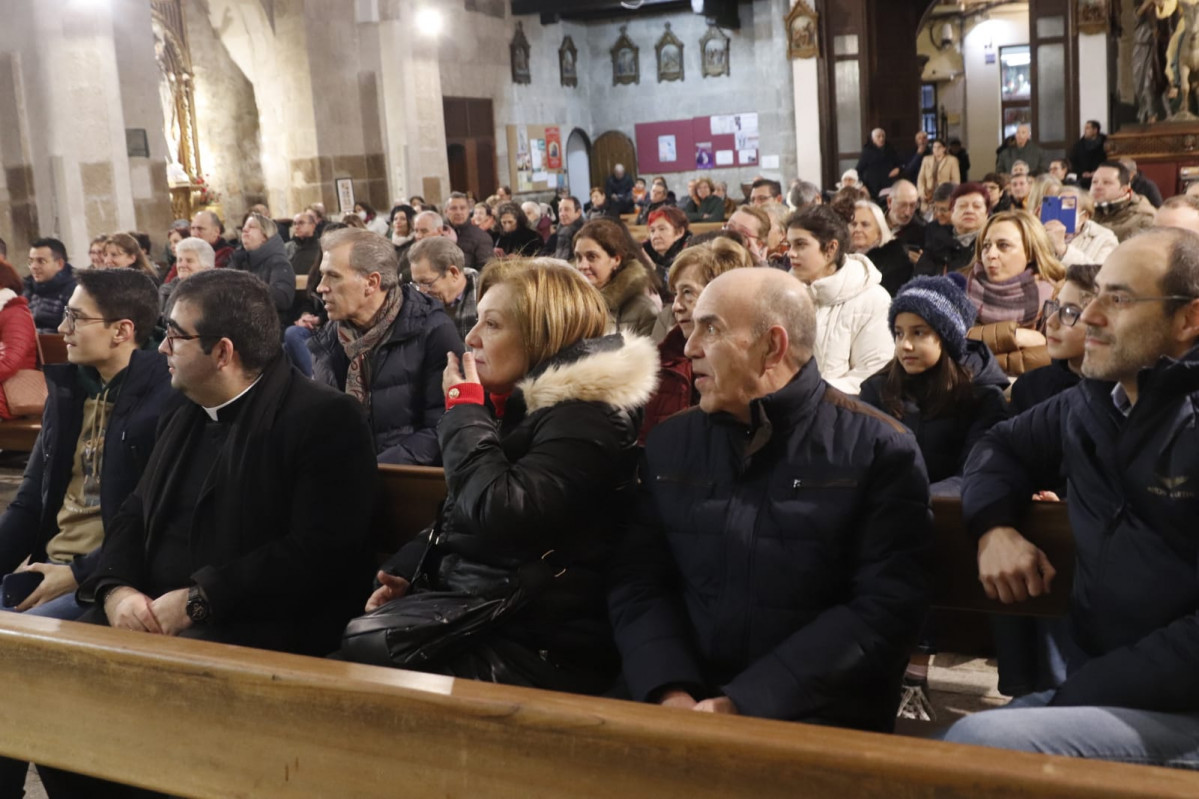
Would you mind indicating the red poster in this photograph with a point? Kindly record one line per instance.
(553, 149)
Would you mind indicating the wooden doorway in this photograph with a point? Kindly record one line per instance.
(470, 145)
(610, 149)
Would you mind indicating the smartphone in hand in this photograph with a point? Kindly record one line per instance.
(15, 588)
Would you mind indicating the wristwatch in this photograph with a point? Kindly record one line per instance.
(197, 605)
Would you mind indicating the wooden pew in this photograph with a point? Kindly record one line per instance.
(409, 498)
(54, 347)
(208, 720)
(19, 435)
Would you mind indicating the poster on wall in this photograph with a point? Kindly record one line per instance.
(345, 195)
(703, 155)
(724, 158)
(553, 148)
(723, 125)
(537, 148)
(524, 180)
(747, 157)
(522, 139)
(667, 149)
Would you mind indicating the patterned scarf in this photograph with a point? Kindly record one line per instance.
(359, 345)
(1018, 299)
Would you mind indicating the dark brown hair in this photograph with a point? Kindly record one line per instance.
(945, 389)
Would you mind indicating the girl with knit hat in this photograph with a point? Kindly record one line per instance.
(946, 389)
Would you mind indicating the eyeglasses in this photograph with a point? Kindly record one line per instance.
(72, 318)
(1067, 314)
(173, 337)
(1118, 300)
(736, 229)
(425, 285)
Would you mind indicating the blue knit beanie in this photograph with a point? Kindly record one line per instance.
(942, 302)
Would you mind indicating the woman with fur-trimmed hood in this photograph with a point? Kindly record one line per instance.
(539, 442)
(612, 262)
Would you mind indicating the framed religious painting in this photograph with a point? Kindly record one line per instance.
(802, 32)
(568, 62)
(519, 49)
(1094, 16)
(670, 56)
(714, 53)
(626, 60)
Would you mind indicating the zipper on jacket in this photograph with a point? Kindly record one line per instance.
(844, 482)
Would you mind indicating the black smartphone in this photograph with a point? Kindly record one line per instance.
(15, 588)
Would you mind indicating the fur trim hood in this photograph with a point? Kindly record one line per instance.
(631, 280)
(620, 370)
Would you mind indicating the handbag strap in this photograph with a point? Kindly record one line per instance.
(37, 339)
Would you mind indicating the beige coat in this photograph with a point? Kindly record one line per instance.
(933, 173)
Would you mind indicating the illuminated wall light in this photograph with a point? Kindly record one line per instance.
(429, 21)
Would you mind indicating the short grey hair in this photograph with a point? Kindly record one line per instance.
(880, 219)
(803, 193)
(265, 224)
(202, 250)
(439, 252)
(532, 210)
(429, 215)
(369, 252)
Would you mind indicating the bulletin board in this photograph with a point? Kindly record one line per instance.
(685, 145)
(536, 161)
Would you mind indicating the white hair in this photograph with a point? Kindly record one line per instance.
(880, 219)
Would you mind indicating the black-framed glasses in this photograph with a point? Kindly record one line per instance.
(1067, 314)
(172, 337)
(1118, 300)
(72, 318)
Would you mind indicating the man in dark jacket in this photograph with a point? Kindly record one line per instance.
(619, 188)
(384, 345)
(777, 563)
(304, 247)
(476, 244)
(438, 271)
(1125, 439)
(98, 427)
(1088, 153)
(49, 283)
(878, 165)
(229, 535)
(570, 219)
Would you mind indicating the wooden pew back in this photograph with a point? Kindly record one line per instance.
(208, 720)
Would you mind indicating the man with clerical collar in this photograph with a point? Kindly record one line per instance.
(385, 344)
(439, 271)
(231, 517)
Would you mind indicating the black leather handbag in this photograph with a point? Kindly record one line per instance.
(416, 629)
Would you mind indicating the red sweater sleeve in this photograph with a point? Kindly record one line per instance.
(19, 337)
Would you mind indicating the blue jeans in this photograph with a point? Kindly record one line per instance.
(295, 344)
(1104, 733)
(64, 608)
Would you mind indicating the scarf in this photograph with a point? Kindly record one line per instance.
(1017, 300)
(358, 345)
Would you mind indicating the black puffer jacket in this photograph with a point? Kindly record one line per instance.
(269, 264)
(1133, 501)
(554, 474)
(782, 565)
(405, 383)
(47, 300)
(943, 251)
(144, 395)
(946, 441)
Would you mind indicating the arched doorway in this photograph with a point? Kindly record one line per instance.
(578, 164)
(610, 149)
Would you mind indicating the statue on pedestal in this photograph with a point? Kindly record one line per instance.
(1151, 64)
(1182, 60)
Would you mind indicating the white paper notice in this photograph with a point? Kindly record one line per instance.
(667, 152)
(724, 158)
(770, 162)
(746, 141)
(723, 125)
(540, 177)
(748, 157)
(537, 162)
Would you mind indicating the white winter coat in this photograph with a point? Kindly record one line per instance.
(853, 340)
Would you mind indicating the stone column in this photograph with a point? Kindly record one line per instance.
(808, 163)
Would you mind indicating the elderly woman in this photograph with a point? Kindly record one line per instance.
(516, 236)
(607, 256)
(598, 208)
(948, 250)
(539, 442)
(870, 235)
(668, 235)
(264, 256)
(709, 207)
(1014, 273)
(121, 251)
(192, 255)
(852, 338)
(694, 269)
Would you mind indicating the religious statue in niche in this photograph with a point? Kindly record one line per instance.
(626, 60)
(1094, 16)
(670, 56)
(520, 56)
(800, 24)
(714, 52)
(568, 62)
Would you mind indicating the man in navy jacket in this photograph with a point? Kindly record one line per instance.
(777, 565)
(1126, 440)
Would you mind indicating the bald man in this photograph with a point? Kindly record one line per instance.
(906, 224)
(1179, 211)
(777, 563)
(208, 227)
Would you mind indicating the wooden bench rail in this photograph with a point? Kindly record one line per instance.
(207, 720)
(54, 347)
(410, 496)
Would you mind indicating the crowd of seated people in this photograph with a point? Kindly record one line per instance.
(724, 444)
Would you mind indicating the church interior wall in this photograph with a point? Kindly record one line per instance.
(1008, 25)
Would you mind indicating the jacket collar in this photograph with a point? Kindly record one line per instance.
(626, 283)
(619, 370)
(855, 276)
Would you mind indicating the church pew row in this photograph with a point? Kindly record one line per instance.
(209, 720)
(18, 435)
(410, 496)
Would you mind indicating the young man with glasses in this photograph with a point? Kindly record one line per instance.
(98, 427)
(1126, 441)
